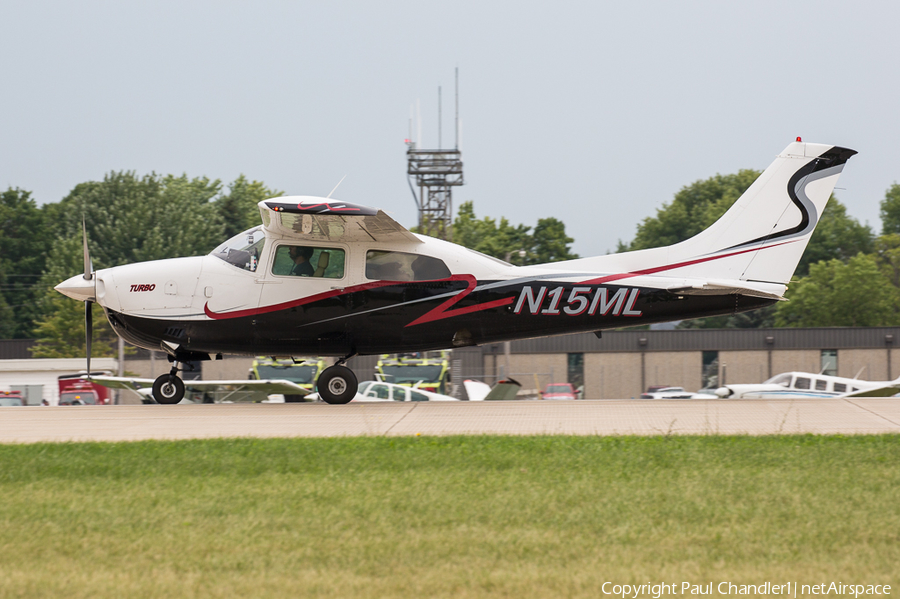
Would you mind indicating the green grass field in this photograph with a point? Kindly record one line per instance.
(516, 517)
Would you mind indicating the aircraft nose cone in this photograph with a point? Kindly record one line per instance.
(723, 392)
(78, 288)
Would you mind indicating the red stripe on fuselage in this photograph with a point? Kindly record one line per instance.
(294, 303)
(443, 311)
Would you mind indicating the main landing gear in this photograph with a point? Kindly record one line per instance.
(337, 384)
(169, 388)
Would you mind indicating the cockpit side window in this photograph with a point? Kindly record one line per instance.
(308, 261)
(243, 250)
(402, 266)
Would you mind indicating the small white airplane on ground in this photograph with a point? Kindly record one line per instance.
(323, 277)
(805, 385)
(375, 391)
(675, 393)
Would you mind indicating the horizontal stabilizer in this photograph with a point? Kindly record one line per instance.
(725, 289)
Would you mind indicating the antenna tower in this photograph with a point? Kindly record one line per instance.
(435, 174)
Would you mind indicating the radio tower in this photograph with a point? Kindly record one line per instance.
(435, 173)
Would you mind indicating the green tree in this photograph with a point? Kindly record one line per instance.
(22, 258)
(890, 210)
(838, 236)
(550, 242)
(514, 244)
(694, 208)
(128, 219)
(134, 219)
(838, 294)
(238, 208)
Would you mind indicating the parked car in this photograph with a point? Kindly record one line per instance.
(559, 391)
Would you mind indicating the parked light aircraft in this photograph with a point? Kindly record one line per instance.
(378, 391)
(805, 385)
(324, 277)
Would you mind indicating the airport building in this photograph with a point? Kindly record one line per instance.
(616, 365)
(621, 364)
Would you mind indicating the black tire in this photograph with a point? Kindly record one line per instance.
(337, 385)
(168, 389)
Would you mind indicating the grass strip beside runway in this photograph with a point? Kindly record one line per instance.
(450, 516)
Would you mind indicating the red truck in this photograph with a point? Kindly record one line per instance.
(74, 391)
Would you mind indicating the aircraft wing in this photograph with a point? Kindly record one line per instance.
(266, 386)
(323, 219)
(121, 382)
(727, 288)
(883, 391)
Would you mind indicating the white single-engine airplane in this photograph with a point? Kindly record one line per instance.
(806, 385)
(324, 277)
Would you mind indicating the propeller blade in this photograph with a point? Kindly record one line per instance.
(88, 333)
(88, 265)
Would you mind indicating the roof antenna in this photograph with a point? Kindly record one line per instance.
(457, 108)
(336, 186)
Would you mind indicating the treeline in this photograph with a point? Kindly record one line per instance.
(128, 219)
(848, 276)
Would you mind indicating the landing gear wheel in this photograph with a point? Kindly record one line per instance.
(337, 385)
(168, 389)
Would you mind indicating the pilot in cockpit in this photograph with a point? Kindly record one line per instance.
(301, 255)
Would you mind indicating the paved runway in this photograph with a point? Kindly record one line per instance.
(605, 417)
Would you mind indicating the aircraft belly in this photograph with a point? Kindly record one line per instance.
(393, 317)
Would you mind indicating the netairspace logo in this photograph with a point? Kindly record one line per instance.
(787, 589)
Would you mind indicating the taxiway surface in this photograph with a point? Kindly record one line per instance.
(600, 417)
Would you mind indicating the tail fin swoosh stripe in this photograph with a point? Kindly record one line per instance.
(796, 189)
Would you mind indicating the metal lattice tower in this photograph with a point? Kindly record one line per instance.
(435, 173)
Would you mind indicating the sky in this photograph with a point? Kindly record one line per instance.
(595, 113)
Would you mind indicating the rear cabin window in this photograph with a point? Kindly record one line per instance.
(821, 385)
(840, 388)
(308, 261)
(400, 266)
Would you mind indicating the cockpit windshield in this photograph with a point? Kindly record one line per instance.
(243, 250)
(782, 379)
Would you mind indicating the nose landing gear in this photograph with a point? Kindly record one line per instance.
(168, 388)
